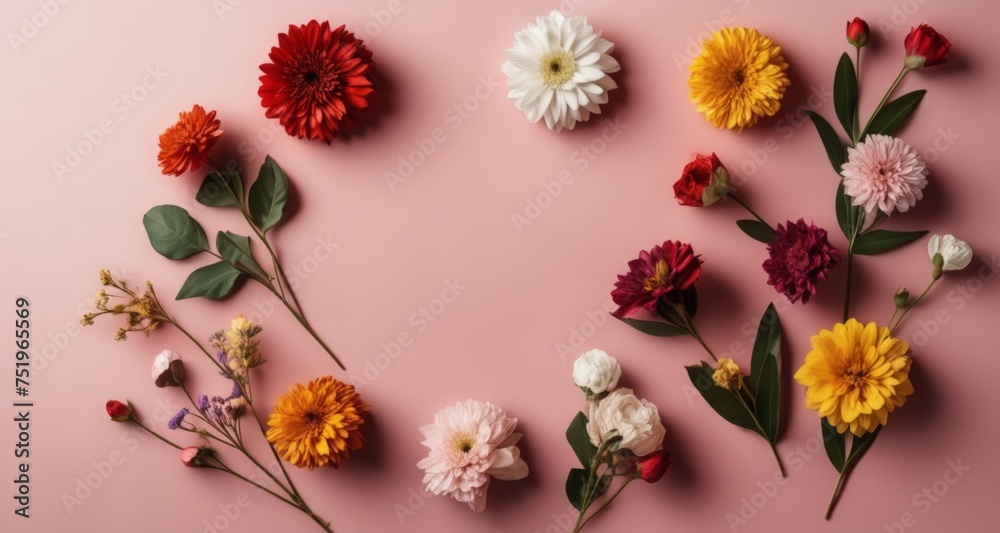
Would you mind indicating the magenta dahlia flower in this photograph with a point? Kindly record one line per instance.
(659, 274)
(800, 256)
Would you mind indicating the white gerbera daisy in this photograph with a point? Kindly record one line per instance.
(884, 174)
(558, 68)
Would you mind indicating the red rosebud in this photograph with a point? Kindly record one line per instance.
(702, 183)
(925, 48)
(653, 466)
(857, 32)
(118, 411)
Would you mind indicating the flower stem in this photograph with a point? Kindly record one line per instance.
(892, 328)
(606, 503)
(847, 293)
(305, 324)
(857, 76)
(697, 337)
(885, 98)
(756, 422)
(751, 211)
(836, 492)
(155, 434)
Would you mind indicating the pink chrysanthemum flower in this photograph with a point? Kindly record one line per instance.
(800, 256)
(470, 442)
(884, 173)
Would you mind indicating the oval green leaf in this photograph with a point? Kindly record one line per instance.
(894, 113)
(212, 281)
(656, 328)
(764, 374)
(724, 402)
(845, 94)
(756, 230)
(173, 233)
(835, 150)
(236, 249)
(849, 216)
(268, 195)
(880, 240)
(836, 450)
(218, 190)
(579, 440)
(576, 483)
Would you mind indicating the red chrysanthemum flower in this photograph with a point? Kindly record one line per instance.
(800, 256)
(185, 145)
(318, 81)
(659, 274)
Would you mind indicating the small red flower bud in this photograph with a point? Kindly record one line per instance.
(118, 411)
(857, 32)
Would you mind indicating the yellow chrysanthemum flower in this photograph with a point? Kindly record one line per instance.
(855, 376)
(317, 424)
(738, 78)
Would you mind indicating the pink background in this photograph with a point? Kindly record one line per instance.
(527, 292)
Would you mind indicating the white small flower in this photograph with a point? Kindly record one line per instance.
(558, 69)
(636, 420)
(168, 369)
(955, 254)
(596, 371)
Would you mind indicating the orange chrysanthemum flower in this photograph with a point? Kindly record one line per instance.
(185, 145)
(317, 424)
(318, 81)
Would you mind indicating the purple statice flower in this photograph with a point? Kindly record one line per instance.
(177, 419)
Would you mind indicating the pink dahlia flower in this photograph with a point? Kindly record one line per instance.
(884, 173)
(658, 274)
(470, 442)
(800, 256)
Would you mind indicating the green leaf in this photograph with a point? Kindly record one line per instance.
(268, 195)
(579, 440)
(756, 230)
(834, 444)
(845, 94)
(212, 281)
(849, 216)
(724, 402)
(576, 483)
(880, 240)
(236, 249)
(173, 233)
(860, 445)
(651, 327)
(764, 376)
(221, 190)
(835, 150)
(894, 113)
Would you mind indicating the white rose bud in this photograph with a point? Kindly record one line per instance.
(168, 370)
(955, 254)
(636, 420)
(596, 371)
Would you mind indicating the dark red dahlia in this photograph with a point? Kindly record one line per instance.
(318, 80)
(800, 256)
(662, 273)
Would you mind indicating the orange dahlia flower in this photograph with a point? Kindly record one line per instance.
(185, 145)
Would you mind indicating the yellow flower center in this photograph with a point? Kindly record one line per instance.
(854, 373)
(739, 76)
(557, 67)
(464, 443)
(659, 277)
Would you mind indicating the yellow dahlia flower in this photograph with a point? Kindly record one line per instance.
(855, 376)
(317, 424)
(738, 78)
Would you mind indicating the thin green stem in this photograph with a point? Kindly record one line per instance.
(753, 416)
(885, 99)
(751, 211)
(857, 76)
(305, 325)
(155, 434)
(606, 503)
(223, 468)
(836, 492)
(697, 337)
(892, 328)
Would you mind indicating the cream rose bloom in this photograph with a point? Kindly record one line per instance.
(955, 254)
(637, 421)
(596, 371)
